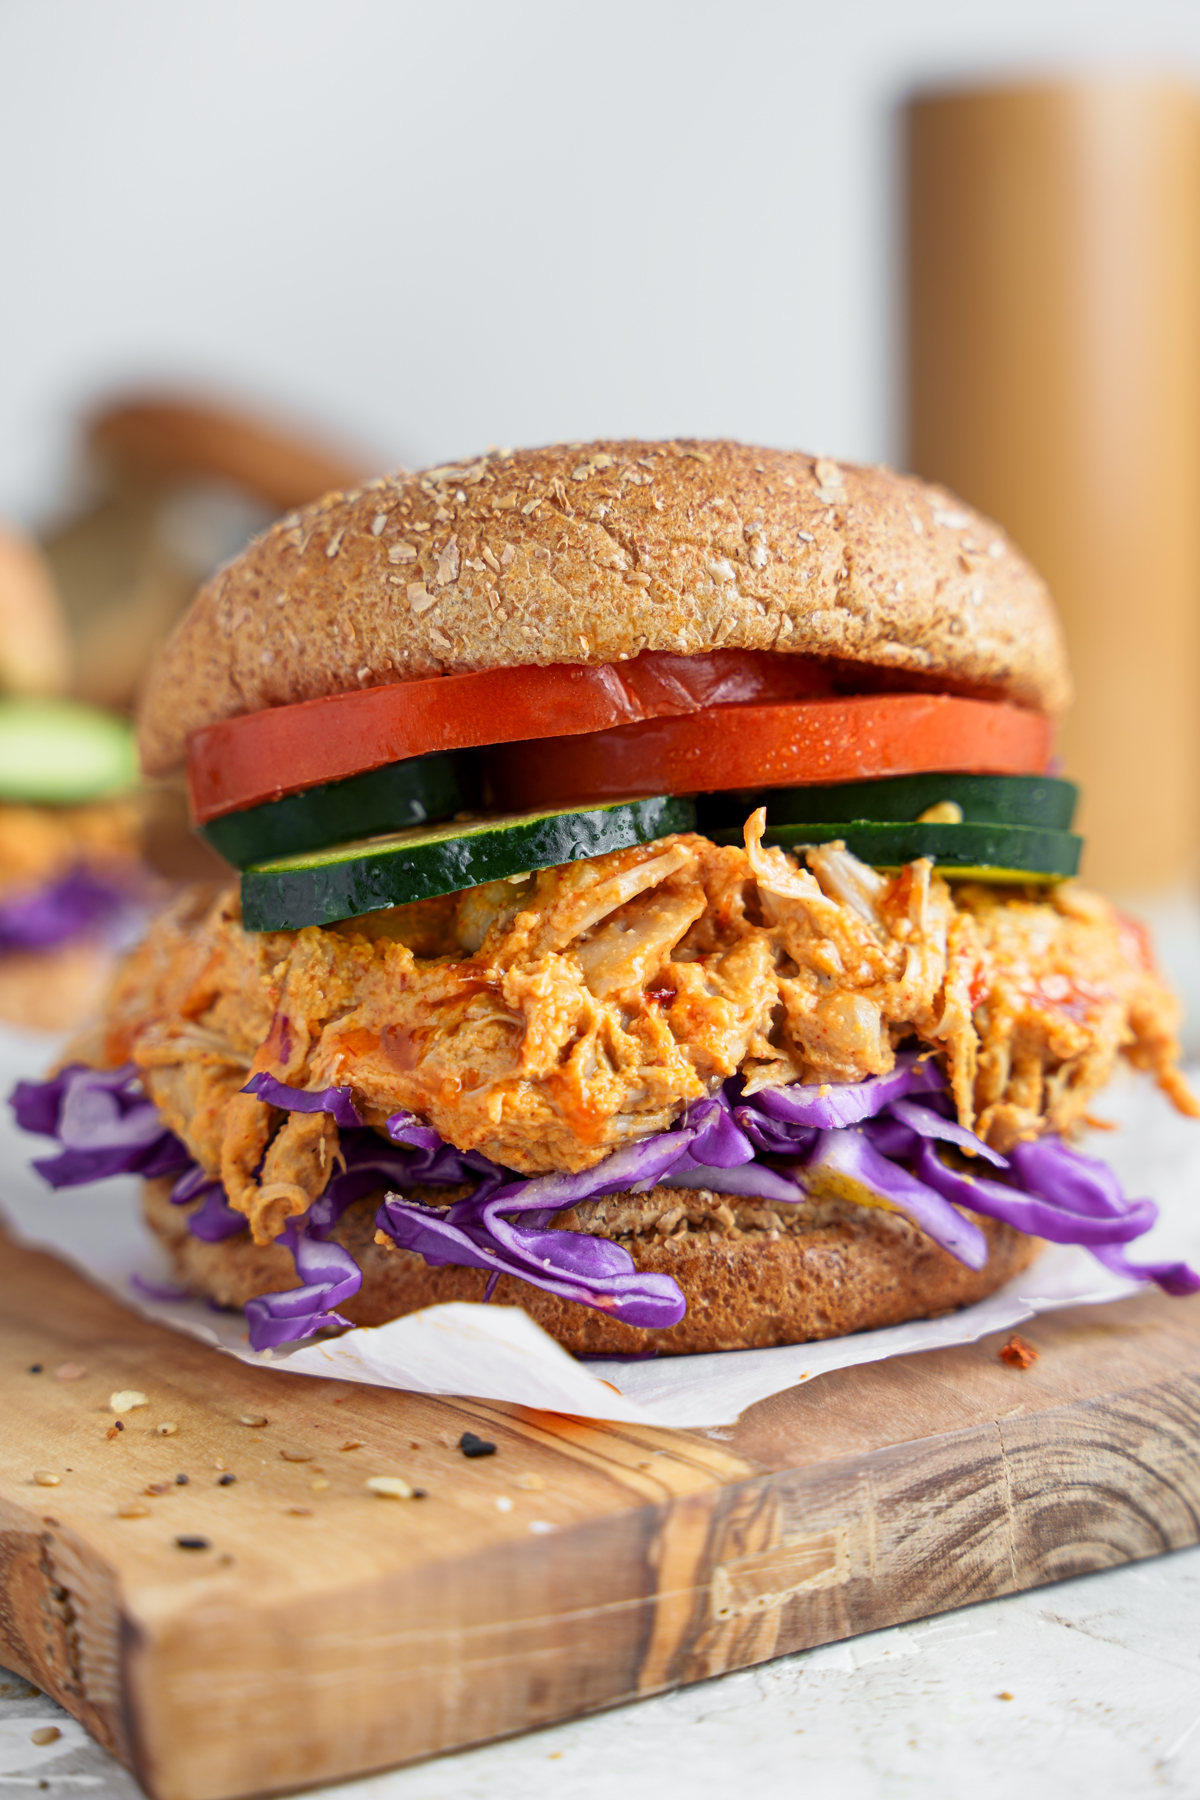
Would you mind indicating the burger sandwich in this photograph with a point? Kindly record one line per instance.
(656, 910)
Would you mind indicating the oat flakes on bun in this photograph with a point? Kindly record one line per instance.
(656, 910)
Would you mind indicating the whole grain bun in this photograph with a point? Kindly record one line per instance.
(593, 552)
(817, 1271)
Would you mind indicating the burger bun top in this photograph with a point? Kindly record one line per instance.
(591, 553)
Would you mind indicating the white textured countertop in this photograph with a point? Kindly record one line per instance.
(1089, 1688)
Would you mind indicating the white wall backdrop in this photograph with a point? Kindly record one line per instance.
(441, 226)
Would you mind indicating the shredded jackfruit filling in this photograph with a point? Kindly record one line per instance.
(546, 1024)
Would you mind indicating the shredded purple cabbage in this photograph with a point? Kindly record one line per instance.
(329, 1276)
(214, 1220)
(104, 1122)
(828, 1107)
(880, 1135)
(333, 1100)
(79, 903)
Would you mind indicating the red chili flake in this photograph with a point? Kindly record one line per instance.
(114, 1431)
(1018, 1353)
(663, 996)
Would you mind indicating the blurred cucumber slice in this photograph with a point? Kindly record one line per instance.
(60, 753)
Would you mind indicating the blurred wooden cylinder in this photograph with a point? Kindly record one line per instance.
(1054, 381)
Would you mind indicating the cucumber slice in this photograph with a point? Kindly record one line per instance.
(362, 877)
(59, 753)
(392, 798)
(1041, 800)
(984, 852)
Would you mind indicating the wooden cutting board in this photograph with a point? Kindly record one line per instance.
(323, 1630)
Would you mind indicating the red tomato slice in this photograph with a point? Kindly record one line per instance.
(847, 738)
(283, 749)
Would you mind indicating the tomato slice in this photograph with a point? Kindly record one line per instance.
(810, 743)
(261, 756)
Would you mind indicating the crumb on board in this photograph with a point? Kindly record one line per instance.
(126, 1400)
(1018, 1352)
(389, 1487)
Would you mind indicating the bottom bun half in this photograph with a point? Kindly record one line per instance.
(753, 1275)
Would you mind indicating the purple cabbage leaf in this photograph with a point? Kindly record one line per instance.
(329, 1277)
(828, 1107)
(851, 1153)
(336, 1101)
(104, 1122)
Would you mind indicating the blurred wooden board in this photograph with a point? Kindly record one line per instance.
(327, 1631)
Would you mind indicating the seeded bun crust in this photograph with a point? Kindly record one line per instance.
(832, 1269)
(593, 552)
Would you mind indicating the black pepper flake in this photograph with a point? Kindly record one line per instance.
(226, 1480)
(193, 1543)
(35, 1368)
(470, 1445)
(420, 1493)
(181, 1481)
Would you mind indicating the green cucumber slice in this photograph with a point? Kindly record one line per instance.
(60, 753)
(984, 852)
(318, 888)
(392, 798)
(1041, 800)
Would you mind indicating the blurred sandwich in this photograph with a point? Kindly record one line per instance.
(72, 883)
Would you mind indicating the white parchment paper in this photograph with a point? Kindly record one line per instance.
(498, 1353)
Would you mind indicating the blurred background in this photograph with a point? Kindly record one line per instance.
(254, 248)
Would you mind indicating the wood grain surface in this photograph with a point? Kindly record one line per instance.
(324, 1630)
